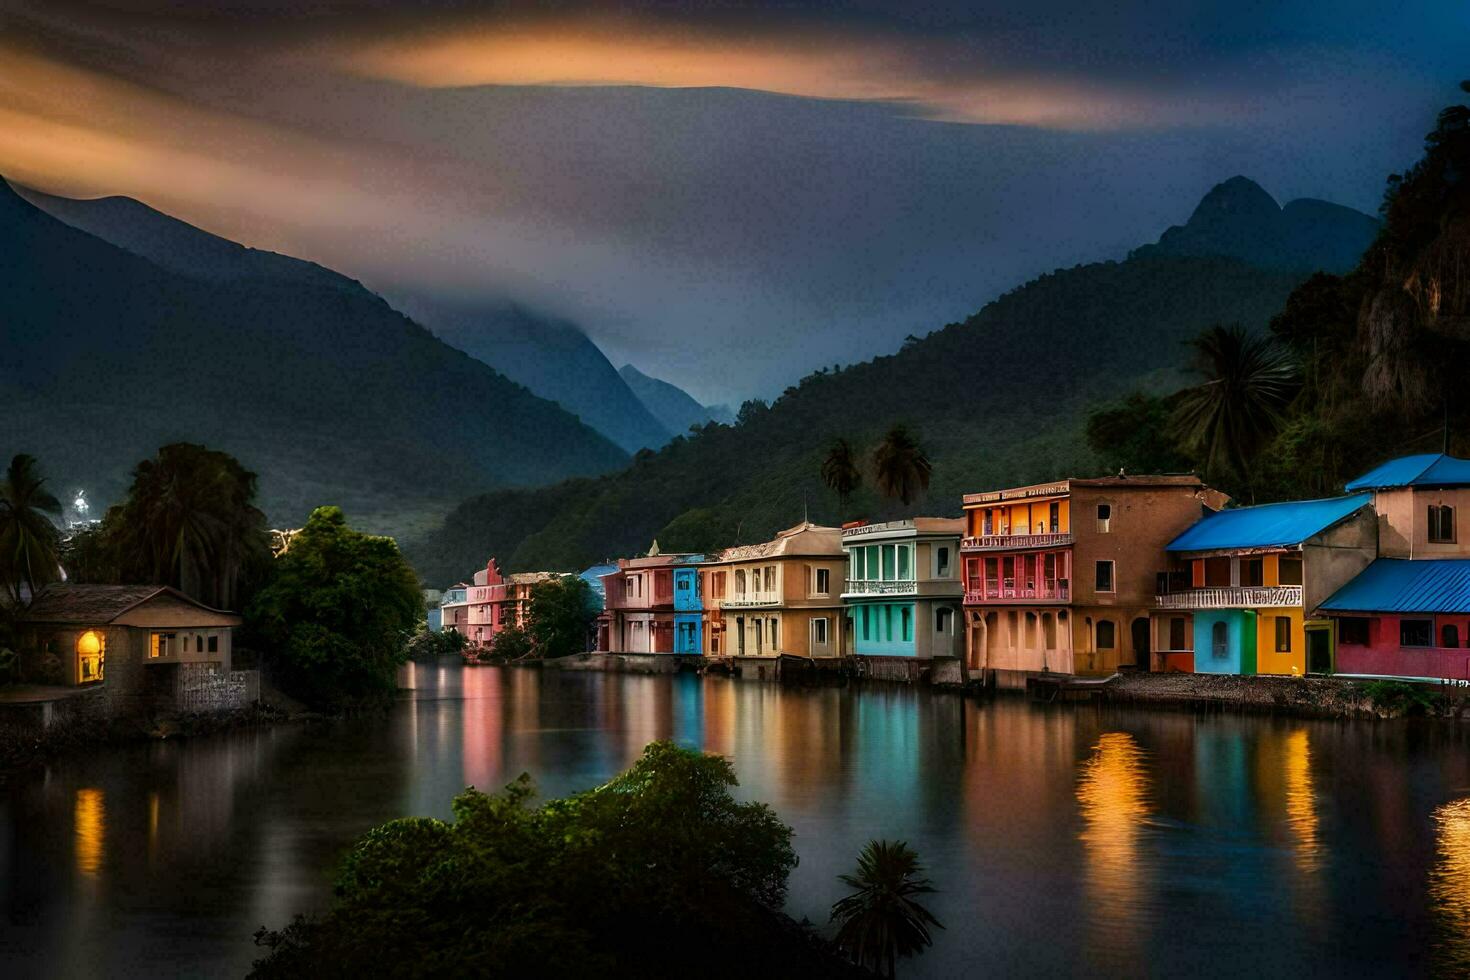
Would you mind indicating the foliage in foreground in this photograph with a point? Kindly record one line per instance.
(883, 919)
(337, 612)
(660, 872)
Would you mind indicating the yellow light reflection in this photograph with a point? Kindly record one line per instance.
(1301, 801)
(90, 818)
(1112, 795)
(1449, 888)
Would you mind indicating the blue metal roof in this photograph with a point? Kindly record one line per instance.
(1423, 470)
(1267, 525)
(1423, 585)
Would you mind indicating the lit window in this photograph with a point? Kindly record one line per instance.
(1441, 524)
(160, 644)
(91, 653)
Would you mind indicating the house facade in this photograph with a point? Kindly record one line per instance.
(138, 647)
(688, 611)
(1251, 578)
(454, 608)
(782, 596)
(1060, 577)
(639, 604)
(1408, 613)
(903, 591)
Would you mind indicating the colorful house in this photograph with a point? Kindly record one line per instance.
(1408, 614)
(1250, 576)
(779, 597)
(639, 607)
(1059, 577)
(903, 591)
(454, 608)
(688, 611)
(491, 603)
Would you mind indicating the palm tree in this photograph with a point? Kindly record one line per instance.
(29, 539)
(881, 920)
(190, 522)
(1248, 382)
(840, 471)
(901, 466)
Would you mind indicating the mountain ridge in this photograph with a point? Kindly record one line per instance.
(675, 409)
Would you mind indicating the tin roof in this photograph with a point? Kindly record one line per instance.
(1423, 470)
(1428, 585)
(1266, 525)
(95, 604)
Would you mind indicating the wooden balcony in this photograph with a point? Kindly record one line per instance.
(1006, 590)
(1015, 542)
(1232, 597)
(870, 586)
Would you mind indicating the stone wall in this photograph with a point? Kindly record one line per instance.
(204, 688)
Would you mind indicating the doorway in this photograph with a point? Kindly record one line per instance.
(1319, 649)
(1142, 647)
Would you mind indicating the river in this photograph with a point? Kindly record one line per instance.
(1064, 839)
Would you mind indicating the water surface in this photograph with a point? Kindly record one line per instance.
(1065, 839)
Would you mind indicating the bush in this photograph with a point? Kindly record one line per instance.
(511, 643)
(1403, 698)
(428, 645)
(561, 616)
(659, 873)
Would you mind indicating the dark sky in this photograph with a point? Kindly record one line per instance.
(728, 195)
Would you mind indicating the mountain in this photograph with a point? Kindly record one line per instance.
(552, 357)
(1239, 219)
(317, 385)
(1000, 399)
(674, 407)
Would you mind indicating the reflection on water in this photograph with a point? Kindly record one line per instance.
(1450, 887)
(91, 819)
(1301, 801)
(1066, 840)
(1112, 794)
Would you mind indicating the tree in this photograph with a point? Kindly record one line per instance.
(656, 870)
(1249, 380)
(29, 539)
(840, 471)
(1134, 435)
(429, 645)
(190, 521)
(337, 612)
(560, 616)
(511, 642)
(882, 919)
(901, 466)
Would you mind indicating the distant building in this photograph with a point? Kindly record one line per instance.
(454, 609)
(904, 590)
(139, 646)
(1060, 577)
(639, 607)
(490, 603)
(782, 596)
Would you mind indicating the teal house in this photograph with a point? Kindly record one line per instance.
(903, 592)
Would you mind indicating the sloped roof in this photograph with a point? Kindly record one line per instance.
(1430, 585)
(803, 539)
(1423, 470)
(96, 604)
(1267, 525)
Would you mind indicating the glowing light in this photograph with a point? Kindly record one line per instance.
(1449, 888)
(90, 817)
(1301, 801)
(1112, 795)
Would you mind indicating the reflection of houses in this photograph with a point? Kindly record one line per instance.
(1249, 576)
(639, 604)
(903, 587)
(140, 646)
(780, 596)
(1408, 614)
(1060, 576)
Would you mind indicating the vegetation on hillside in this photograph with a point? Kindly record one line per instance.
(1379, 357)
(656, 873)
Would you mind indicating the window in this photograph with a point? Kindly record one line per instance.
(159, 644)
(1054, 519)
(824, 581)
(1220, 641)
(1416, 633)
(1289, 570)
(987, 524)
(1449, 636)
(941, 620)
(905, 563)
(1176, 633)
(740, 583)
(213, 643)
(941, 562)
(906, 623)
(1104, 518)
(867, 622)
(1106, 634)
(1283, 634)
(1441, 524)
(1353, 630)
(819, 632)
(770, 578)
(775, 634)
(889, 562)
(1252, 571)
(1104, 578)
(91, 653)
(1217, 572)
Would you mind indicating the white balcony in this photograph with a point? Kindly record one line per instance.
(1232, 597)
(751, 600)
(1015, 542)
(872, 586)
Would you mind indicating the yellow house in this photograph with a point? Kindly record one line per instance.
(782, 596)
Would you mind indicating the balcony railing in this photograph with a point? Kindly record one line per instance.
(1012, 542)
(1007, 591)
(746, 600)
(1232, 597)
(873, 586)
